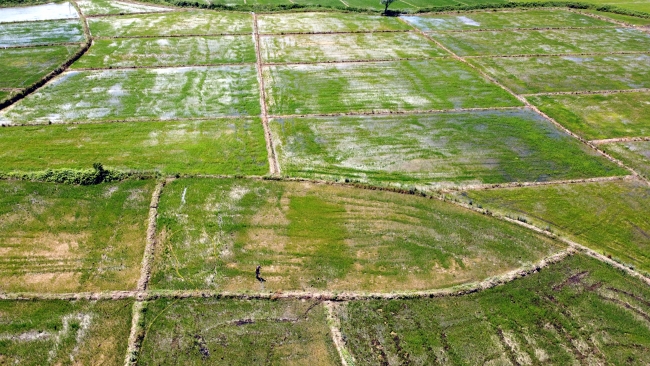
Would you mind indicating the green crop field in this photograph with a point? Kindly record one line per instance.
(21, 67)
(599, 116)
(503, 20)
(172, 23)
(634, 154)
(96, 7)
(578, 311)
(635, 5)
(59, 332)
(227, 146)
(545, 42)
(178, 51)
(213, 234)
(603, 216)
(383, 86)
(620, 17)
(449, 148)
(142, 94)
(64, 238)
(34, 33)
(237, 332)
(327, 22)
(347, 47)
(528, 75)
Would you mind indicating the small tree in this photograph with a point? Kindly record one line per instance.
(386, 3)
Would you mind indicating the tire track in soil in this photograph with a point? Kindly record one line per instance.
(274, 167)
(531, 106)
(335, 331)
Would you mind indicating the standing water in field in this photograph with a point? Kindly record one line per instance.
(39, 12)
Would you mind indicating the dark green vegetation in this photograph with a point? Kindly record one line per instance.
(445, 148)
(607, 217)
(212, 235)
(441, 83)
(176, 51)
(236, 332)
(226, 146)
(597, 116)
(576, 311)
(141, 94)
(21, 67)
(62, 332)
(64, 238)
(621, 18)
(634, 154)
(526, 75)
(35, 33)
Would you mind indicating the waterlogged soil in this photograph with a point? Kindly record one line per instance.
(142, 94)
(382, 86)
(347, 47)
(177, 51)
(36, 33)
(326, 22)
(634, 154)
(437, 149)
(39, 12)
(96, 7)
(503, 20)
(213, 235)
(528, 75)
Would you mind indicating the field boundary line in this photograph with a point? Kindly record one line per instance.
(344, 3)
(590, 92)
(357, 61)
(335, 331)
(136, 13)
(519, 29)
(161, 66)
(562, 54)
(409, 4)
(485, 187)
(141, 120)
(35, 21)
(136, 335)
(333, 32)
(620, 139)
(537, 110)
(389, 112)
(59, 70)
(171, 36)
(10, 89)
(150, 248)
(274, 166)
(43, 45)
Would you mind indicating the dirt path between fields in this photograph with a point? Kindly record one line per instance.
(591, 92)
(334, 32)
(274, 166)
(620, 139)
(562, 54)
(531, 106)
(518, 29)
(484, 187)
(335, 330)
(43, 45)
(387, 113)
(150, 248)
(171, 36)
(136, 335)
(215, 65)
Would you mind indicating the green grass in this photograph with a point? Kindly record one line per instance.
(574, 312)
(621, 18)
(141, 94)
(527, 75)
(503, 20)
(437, 149)
(236, 332)
(21, 67)
(322, 3)
(173, 23)
(545, 42)
(65, 238)
(35, 33)
(383, 86)
(213, 233)
(228, 146)
(376, 5)
(610, 218)
(633, 154)
(596, 116)
(97, 7)
(636, 5)
(4, 94)
(347, 47)
(168, 52)
(59, 332)
(327, 22)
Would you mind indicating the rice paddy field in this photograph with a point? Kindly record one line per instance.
(200, 186)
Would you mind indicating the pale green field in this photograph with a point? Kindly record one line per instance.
(503, 20)
(545, 42)
(96, 7)
(35, 33)
(172, 23)
(528, 75)
(379, 86)
(596, 117)
(143, 94)
(634, 154)
(326, 22)
(177, 51)
(637, 5)
(213, 233)
(347, 47)
(68, 238)
(226, 146)
(21, 67)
